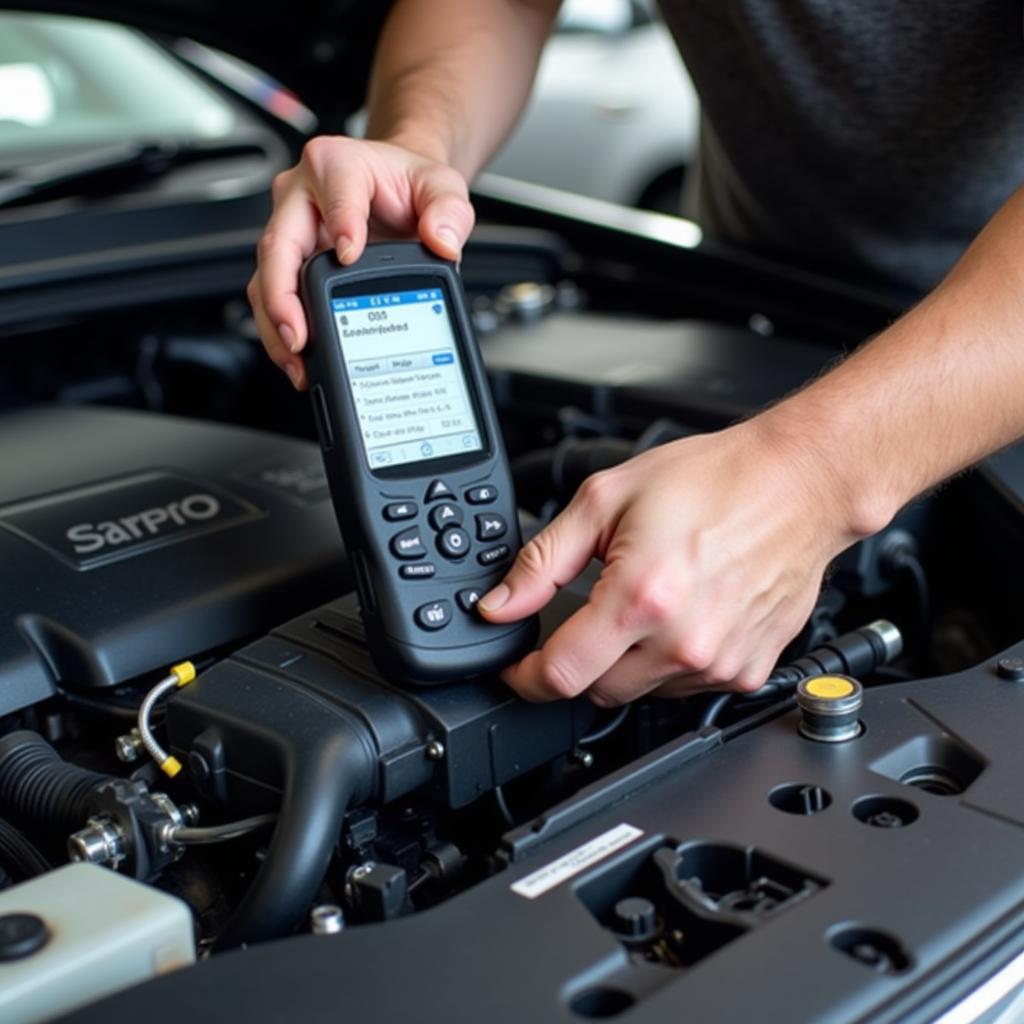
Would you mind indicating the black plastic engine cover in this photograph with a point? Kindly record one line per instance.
(876, 881)
(130, 541)
(276, 693)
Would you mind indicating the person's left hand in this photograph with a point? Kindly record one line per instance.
(714, 549)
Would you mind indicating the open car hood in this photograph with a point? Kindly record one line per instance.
(320, 50)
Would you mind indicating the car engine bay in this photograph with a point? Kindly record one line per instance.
(329, 841)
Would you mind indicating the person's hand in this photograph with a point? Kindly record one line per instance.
(341, 191)
(714, 548)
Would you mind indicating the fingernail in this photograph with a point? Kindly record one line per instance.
(448, 236)
(288, 337)
(495, 598)
(346, 250)
(294, 372)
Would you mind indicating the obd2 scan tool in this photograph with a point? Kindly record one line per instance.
(415, 460)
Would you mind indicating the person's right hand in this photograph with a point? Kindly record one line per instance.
(339, 193)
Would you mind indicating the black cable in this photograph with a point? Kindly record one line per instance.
(714, 710)
(204, 835)
(912, 567)
(775, 685)
(101, 707)
(898, 556)
(608, 728)
(503, 808)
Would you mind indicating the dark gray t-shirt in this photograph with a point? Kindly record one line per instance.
(875, 136)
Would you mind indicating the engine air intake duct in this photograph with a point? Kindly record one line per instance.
(301, 722)
(37, 784)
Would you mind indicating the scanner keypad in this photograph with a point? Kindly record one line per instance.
(443, 518)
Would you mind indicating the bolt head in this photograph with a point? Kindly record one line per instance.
(1011, 669)
(126, 750)
(584, 758)
(361, 871)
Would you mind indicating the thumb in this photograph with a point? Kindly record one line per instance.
(554, 557)
(444, 211)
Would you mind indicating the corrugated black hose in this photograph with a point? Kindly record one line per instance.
(37, 785)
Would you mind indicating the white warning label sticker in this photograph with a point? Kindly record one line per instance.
(575, 861)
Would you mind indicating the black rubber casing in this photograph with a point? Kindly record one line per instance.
(403, 650)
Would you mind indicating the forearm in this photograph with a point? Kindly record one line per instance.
(940, 389)
(451, 76)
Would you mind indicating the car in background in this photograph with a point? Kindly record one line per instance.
(613, 114)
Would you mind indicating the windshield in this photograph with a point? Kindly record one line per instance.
(70, 83)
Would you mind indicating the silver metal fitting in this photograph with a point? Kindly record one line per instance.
(435, 750)
(584, 758)
(527, 300)
(360, 871)
(892, 639)
(326, 919)
(100, 842)
(129, 747)
(355, 874)
(176, 819)
(189, 814)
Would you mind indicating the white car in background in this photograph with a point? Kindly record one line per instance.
(613, 114)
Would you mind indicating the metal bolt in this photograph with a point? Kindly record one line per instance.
(1011, 669)
(886, 819)
(189, 814)
(435, 750)
(326, 919)
(872, 956)
(129, 747)
(100, 842)
(356, 874)
(362, 870)
(584, 758)
(527, 300)
(174, 819)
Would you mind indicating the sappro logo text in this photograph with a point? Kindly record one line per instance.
(88, 538)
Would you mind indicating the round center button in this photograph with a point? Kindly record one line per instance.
(453, 542)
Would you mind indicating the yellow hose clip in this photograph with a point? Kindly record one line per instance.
(184, 673)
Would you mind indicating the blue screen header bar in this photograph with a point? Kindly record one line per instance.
(384, 299)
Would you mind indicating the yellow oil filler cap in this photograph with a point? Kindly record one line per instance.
(829, 707)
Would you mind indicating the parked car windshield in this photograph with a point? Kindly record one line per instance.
(68, 84)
